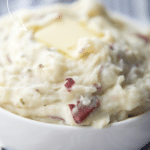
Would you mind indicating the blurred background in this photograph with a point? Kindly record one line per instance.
(138, 9)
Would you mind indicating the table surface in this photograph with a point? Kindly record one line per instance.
(146, 147)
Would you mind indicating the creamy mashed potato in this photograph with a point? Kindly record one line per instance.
(101, 80)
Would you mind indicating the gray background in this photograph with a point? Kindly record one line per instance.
(138, 9)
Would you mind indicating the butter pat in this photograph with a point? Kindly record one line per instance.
(64, 35)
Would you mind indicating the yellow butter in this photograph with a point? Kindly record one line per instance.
(35, 28)
(64, 35)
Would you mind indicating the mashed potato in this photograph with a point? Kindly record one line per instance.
(109, 80)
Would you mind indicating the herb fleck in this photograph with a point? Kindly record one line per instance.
(29, 70)
(41, 66)
(22, 55)
(127, 62)
(22, 102)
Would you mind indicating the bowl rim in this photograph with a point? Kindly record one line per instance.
(44, 124)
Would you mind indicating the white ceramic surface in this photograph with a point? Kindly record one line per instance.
(18, 133)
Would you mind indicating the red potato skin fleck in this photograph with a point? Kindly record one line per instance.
(71, 106)
(111, 46)
(118, 56)
(70, 82)
(143, 37)
(100, 70)
(37, 90)
(55, 117)
(99, 88)
(9, 60)
(41, 66)
(60, 15)
(78, 102)
(82, 112)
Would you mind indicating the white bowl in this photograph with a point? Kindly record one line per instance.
(18, 133)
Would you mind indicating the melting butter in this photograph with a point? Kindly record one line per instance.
(64, 35)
